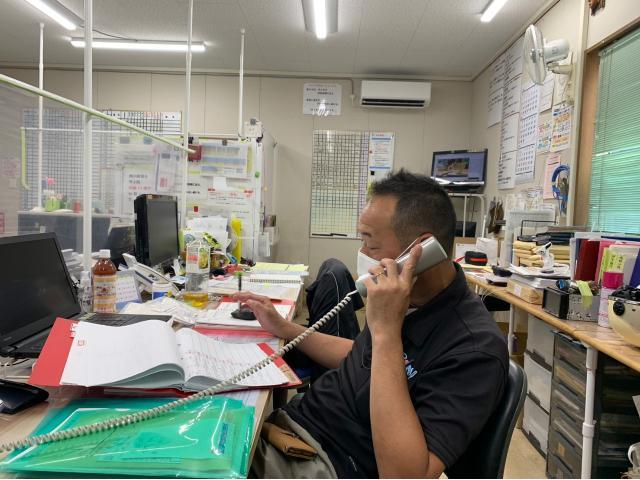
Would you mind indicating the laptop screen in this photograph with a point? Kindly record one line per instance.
(35, 287)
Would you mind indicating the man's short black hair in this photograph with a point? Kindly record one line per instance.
(423, 206)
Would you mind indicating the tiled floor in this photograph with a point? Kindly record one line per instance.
(523, 461)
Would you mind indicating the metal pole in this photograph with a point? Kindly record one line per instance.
(512, 327)
(39, 203)
(241, 85)
(185, 135)
(87, 185)
(588, 427)
(464, 216)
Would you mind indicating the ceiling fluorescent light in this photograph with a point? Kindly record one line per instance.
(139, 45)
(492, 9)
(52, 13)
(320, 17)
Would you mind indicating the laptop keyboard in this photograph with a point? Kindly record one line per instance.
(111, 319)
(35, 346)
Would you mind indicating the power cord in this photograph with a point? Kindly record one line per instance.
(157, 411)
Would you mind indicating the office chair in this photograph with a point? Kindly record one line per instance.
(487, 454)
(333, 282)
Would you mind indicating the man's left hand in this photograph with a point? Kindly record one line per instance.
(388, 295)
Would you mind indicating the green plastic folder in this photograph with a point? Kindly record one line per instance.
(209, 438)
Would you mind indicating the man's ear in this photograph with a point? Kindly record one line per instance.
(423, 237)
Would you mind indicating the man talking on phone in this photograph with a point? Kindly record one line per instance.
(412, 391)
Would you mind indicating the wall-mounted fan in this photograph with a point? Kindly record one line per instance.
(540, 56)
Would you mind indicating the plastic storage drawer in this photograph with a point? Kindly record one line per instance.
(535, 424)
(538, 380)
(571, 377)
(569, 454)
(540, 339)
(572, 352)
(557, 469)
(568, 401)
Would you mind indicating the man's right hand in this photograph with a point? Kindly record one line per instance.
(265, 313)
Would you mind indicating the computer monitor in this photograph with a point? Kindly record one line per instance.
(36, 287)
(460, 168)
(121, 239)
(156, 229)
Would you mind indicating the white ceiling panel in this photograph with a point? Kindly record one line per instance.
(375, 37)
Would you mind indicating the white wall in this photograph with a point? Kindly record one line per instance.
(562, 21)
(616, 15)
(446, 124)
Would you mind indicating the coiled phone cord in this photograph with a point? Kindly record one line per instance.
(157, 411)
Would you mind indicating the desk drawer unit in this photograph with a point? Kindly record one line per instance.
(566, 452)
(535, 424)
(538, 380)
(616, 422)
(540, 339)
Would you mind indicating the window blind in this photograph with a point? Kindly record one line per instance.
(614, 200)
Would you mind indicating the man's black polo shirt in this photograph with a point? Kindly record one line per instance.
(456, 365)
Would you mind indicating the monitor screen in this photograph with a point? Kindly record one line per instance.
(159, 229)
(459, 166)
(35, 288)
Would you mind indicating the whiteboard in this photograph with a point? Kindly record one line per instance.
(343, 165)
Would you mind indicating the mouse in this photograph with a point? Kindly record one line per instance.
(16, 396)
(243, 314)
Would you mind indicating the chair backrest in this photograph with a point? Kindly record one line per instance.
(487, 454)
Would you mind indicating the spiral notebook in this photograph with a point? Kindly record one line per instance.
(274, 278)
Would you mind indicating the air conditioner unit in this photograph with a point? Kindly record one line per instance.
(392, 94)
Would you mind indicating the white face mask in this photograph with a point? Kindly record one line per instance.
(365, 262)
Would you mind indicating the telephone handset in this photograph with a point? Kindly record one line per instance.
(147, 275)
(432, 254)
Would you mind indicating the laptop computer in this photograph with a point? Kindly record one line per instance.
(35, 289)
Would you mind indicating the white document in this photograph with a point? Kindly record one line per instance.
(103, 355)
(179, 311)
(494, 109)
(513, 66)
(509, 134)
(511, 98)
(561, 133)
(248, 397)
(530, 101)
(526, 164)
(151, 355)
(381, 147)
(273, 291)
(322, 99)
(546, 94)
(205, 359)
(222, 316)
(507, 170)
(496, 81)
(544, 136)
(528, 131)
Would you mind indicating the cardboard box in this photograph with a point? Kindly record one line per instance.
(525, 292)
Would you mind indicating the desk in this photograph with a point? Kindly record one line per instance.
(15, 427)
(603, 339)
(594, 337)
